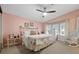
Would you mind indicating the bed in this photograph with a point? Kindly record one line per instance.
(37, 42)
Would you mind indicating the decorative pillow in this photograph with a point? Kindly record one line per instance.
(32, 33)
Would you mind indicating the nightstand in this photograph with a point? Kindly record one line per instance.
(13, 40)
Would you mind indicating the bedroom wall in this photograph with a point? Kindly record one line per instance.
(69, 18)
(11, 24)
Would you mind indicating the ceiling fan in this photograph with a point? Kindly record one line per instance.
(45, 12)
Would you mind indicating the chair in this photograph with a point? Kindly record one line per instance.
(72, 39)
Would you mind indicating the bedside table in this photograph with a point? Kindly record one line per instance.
(13, 40)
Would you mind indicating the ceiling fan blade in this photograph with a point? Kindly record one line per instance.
(39, 10)
(51, 11)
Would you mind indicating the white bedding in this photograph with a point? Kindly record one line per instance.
(39, 36)
(37, 42)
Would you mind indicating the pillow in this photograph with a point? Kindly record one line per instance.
(32, 33)
(26, 33)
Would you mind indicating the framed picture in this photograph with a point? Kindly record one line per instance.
(26, 24)
(31, 24)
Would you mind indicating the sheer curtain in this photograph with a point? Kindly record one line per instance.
(77, 25)
(62, 29)
(55, 29)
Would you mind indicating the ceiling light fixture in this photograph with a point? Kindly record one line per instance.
(44, 14)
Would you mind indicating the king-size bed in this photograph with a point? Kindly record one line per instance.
(37, 42)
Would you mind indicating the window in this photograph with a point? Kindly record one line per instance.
(49, 29)
(56, 29)
(77, 25)
(62, 29)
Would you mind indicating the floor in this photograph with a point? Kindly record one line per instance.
(56, 48)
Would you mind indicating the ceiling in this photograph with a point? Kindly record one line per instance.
(28, 11)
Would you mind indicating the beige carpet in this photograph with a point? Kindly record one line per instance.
(11, 50)
(59, 48)
(56, 48)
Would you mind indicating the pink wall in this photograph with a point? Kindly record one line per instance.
(11, 24)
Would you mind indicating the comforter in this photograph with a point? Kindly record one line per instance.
(38, 42)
